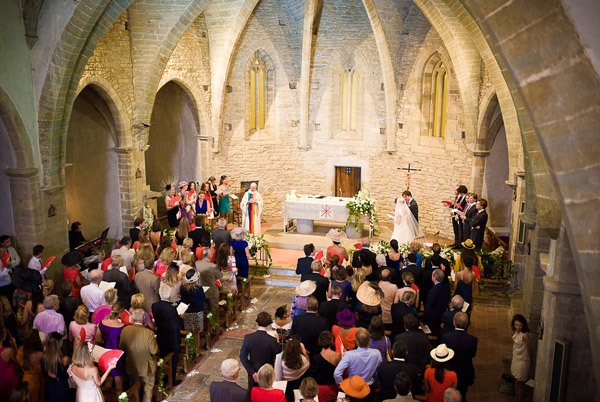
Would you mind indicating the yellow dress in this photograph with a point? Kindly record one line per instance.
(34, 376)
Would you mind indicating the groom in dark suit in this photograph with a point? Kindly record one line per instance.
(412, 204)
(478, 223)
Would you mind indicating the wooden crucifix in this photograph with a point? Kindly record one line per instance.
(409, 171)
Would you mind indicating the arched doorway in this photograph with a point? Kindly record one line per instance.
(91, 170)
(174, 149)
(495, 190)
(7, 161)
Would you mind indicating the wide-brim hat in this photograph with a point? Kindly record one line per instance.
(468, 244)
(306, 288)
(442, 353)
(71, 258)
(346, 318)
(26, 279)
(367, 295)
(335, 235)
(239, 232)
(356, 387)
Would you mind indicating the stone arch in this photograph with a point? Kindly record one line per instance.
(106, 91)
(17, 133)
(91, 19)
(387, 69)
(93, 183)
(173, 142)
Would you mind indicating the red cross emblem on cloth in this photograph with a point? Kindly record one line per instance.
(326, 212)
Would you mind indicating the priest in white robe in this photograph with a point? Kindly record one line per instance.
(251, 205)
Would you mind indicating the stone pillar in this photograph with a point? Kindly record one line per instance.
(536, 251)
(27, 209)
(563, 319)
(478, 171)
(307, 34)
(128, 178)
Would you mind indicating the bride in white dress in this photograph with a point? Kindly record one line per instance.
(406, 227)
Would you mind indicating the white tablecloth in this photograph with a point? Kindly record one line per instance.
(316, 209)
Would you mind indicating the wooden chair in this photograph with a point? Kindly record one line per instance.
(244, 293)
(168, 373)
(133, 393)
(185, 351)
(228, 310)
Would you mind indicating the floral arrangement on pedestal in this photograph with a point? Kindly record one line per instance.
(212, 321)
(148, 215)
(494, 264)
(256, 244)
(361, 205)
(190, 342)
(445, 252)
(124, 398)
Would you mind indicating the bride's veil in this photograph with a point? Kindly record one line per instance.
(403, 212)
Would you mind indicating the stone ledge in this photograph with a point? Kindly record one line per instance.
(556, 287)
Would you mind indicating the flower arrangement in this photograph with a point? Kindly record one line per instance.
(362, 205)
(212, 321)
(123, 397)
(493, 263)
(148, 215)
(230, 303)
(257, 243)
(381, 247)
(161, 378)
(169, 232)
(404, 249)
(445, 252)
(190, 342)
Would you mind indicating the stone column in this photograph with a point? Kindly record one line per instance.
(128, 177)
(307, 34)
(26, 196)
(563, 319)
(478, 171)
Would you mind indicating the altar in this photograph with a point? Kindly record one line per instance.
(307, 209)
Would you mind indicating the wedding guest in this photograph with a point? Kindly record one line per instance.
(193, 295)
(265, 392)
(9, 367)
(91, 295)
(259, 348)
(309, 389)
(345, 330)
(50, 320)
(323, 364)
(437, 378)
(55, 364)
(109, 334)
(86, 375)
(379, 340)
(291, 364)
(228, 390)
(303, 265)
(110, 298)
(30, 357)
(361, 361)
(356, 389)
(522, 354)
(241, 251)
(80, 324)
(76, 238)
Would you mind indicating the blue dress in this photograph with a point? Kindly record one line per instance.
(466, 291)
(241, 260)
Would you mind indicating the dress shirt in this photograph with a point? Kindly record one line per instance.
(92, 296)
(37, 263)
(15, 258)
(360, 361)
(49, 321)
(127, 254)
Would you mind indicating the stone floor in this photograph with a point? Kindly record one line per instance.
(491, 324)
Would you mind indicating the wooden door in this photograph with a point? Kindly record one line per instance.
(347, 181)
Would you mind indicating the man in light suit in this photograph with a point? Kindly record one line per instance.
(258, 348)
(228, 390)
(465, 349)
(478, 223)
(412, 204)
(140, 347)
(147, 283)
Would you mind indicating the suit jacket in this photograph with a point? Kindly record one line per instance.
(469, 215)
(417, 273)
(414, 208)
(196, 235)
(435, 305)
(258, 348)
(220, 236)
(330, 308)
(121, 284)
(322, 285)
(148, 284)
(303, 266)
(357, 257)
(448, 321)
(465, 349)
(308, 326)
(418, 347)
(480, 219)
(140, 349)
(386, 373)
(399, 310)
(208, 275)
(227, 391)
(168, 326)
(134, 233)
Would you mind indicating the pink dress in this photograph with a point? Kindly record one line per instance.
(9, 378)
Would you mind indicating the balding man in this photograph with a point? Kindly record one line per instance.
(465, 349)
(390, 296)
(447, 324)
(361, 361)
(452, 395)
(228, 390)
(50, 320)
(91, 295)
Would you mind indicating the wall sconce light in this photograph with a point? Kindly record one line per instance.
(229, 89)
(382, 87)
(295, 123)
(400, 126)
(205, 87)
(463, 135)
(317, 126)
(382, 130)
(227, 126)
(402, 87)
(293, 85)
(138, 173)
(51, 211)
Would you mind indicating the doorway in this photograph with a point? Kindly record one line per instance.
(347, 181)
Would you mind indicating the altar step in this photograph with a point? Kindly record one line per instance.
(282, 277)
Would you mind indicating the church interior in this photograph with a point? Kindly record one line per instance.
(102, 102)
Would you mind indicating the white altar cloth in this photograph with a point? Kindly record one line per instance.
(315, 209)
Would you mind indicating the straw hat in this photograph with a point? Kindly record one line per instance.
(306, 288)
(442, 353)
(367, 295)
(346, 318)
(335, 235)
(468, 244)
(355, 387)
(72, 258)
(239, 232)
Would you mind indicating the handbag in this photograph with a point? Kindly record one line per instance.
(507, 384)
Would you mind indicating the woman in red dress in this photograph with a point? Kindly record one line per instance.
(71, 272)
